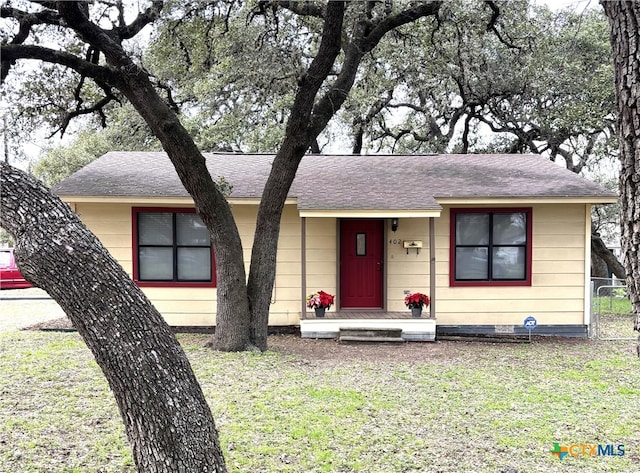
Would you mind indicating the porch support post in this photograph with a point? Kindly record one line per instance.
(432, 266)
(303, 266)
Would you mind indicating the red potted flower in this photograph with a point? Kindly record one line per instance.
(416, 301)
(320, 301)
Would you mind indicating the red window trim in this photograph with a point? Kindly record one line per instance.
(134, 247)
(452, 247)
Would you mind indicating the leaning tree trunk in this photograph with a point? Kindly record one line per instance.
(624, 20)
(309, 117)
(233, 317)
(599, 275)
(167, 419)
(599, 249)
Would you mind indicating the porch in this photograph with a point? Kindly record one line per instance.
(419, 329)
(370, 261)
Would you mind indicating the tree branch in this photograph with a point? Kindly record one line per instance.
(49, 17)
(359, 46)
(599, 247)
(106, 41)
(143, 19)
(360, 122)
(320, 67)
(305, 8)
(13, 52)
(492, 24)
(397, 20)
(97, 108)
(25, 21)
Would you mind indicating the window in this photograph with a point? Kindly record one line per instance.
(361, 244)
(490, 247)
(171, 247)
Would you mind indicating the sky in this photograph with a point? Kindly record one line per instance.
(577, 5)
(560, 4)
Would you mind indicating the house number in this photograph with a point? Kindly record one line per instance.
(395, 241)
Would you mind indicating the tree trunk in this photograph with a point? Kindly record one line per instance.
(167, 419)
(233, 317)
(308, 119)
(599, 274)
(624, 20)
(300, 133)
(605, 254)
(263, 256)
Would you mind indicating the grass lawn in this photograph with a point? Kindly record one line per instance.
(612, 305)
(433, 407)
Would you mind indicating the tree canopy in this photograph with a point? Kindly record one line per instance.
(541, 85)
(536, 81)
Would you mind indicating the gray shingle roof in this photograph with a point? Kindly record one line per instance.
(333, 182)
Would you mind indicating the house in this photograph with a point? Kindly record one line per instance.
(492, 239)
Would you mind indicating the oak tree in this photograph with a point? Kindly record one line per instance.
(624, 21)
(167, 419)
(100, 56)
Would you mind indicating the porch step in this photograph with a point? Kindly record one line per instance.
(371, 335)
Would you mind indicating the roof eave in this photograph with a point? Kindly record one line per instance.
(156, 199)
(370, 213)
(527, 200)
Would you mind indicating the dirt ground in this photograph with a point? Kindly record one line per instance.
(42, 315)
(317, 349)
(334, 350)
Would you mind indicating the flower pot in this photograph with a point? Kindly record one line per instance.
(320, 311)
(416, 311)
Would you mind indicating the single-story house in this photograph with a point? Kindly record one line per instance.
(491, 239)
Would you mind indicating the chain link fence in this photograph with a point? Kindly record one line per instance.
(611, 314)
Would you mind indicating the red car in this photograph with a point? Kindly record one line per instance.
(10, 276)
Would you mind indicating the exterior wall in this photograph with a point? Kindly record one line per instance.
(407, 270)
(556, 294)
(285, 300)
(197, 306)
(321, 259)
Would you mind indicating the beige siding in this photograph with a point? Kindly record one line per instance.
(188, 306)
(111, 223)
(322, 249)
(407, 270)
(196, 306)
(555, 297)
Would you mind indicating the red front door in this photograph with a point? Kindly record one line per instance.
(361, 261)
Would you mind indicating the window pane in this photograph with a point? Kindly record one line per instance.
(194, 264)
(155, 264)
(190, 230)
(510, 229)
(508, 263)
(472, 263)
(472, 229)
(155, 228)
(361, 244)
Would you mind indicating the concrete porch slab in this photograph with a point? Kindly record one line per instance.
(414, 329)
